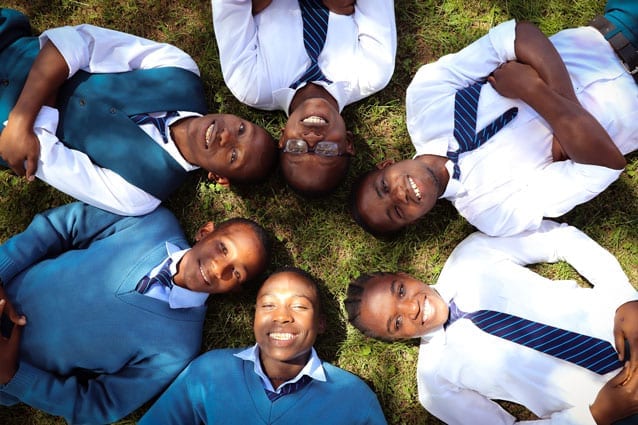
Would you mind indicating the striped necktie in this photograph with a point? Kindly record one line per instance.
(163, 277)
(465, 114)
(592, 353)
(289, 388)
(159, 123)
(315, 27)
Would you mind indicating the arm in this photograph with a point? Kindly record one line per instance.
(103, 398)
(540, 79)
(183, 401)
(617, 399)
(18, 143)
(71, 226)
(9, 344)
(340, 7)
(259, 5)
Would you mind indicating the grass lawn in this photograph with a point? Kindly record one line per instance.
(319, 235)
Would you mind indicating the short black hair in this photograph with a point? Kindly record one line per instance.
(307, 276)
(352, 303)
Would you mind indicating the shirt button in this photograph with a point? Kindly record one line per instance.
(82, 102)
(4, 82)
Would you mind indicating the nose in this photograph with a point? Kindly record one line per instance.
(225, 137)
(399, 194)
(282, 315)
(312, 137)
(222, 269)
(411, 308)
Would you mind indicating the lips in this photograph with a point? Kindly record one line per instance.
(314, 120)
(415, 188)
(426, 310)
(204, 276)
(282, 339)
(210, 133)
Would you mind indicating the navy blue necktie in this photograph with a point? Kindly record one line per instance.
(315, 27)
(159, 123)
(289, 388)
(163, 277)
(465, 114)
(592, 353)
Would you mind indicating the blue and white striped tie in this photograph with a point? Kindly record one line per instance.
(592, 353)
(465, 114)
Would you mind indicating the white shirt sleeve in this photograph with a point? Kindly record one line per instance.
(73, 173)
(95, 49)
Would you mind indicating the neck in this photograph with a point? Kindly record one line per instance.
(436, 165)
(309, 91)
(179, 135)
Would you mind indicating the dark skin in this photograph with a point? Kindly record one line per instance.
(340, 7)
(19, 145)
(9, 347)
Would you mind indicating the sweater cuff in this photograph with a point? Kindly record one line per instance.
(22, 381)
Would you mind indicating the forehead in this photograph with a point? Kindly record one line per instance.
(377, 304)
(371, 206)
(289, 284)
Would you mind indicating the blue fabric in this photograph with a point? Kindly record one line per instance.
(592, 353)
(219, 388)
(465, 114)
(94, 349)
(87, 99)
(623, 14)
(314, 15)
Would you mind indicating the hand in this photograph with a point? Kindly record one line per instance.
(18, 143)
(616, 400)
(259, 5)
(340, 7)
(9, 347)
(626, 328)
(514, 80)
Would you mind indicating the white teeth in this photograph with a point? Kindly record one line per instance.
(209, 133)
(416, 190)
(427, 311)
(280, 336)
(314, 120)
(201, 270)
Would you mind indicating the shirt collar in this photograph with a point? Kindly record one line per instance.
(179, 297)
(313, 367)
(172, 147)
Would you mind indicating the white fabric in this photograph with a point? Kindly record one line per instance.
(94, 49)
(461, 369)
(312, 368)
(262, 56)
(510, 183)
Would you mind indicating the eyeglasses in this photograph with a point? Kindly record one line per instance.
(323, 148)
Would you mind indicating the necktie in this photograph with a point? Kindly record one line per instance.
(465, 113)
(592, 353)
(315, 27)
(159, 123)
(163, 277)
(289, 388)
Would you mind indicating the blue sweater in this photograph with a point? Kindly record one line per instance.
(219, 388)
(94, 349)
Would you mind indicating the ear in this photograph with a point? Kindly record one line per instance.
(383, 164)
(220, 180)
(350, 143)
(204, 230)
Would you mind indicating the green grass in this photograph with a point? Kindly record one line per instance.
(319, 235)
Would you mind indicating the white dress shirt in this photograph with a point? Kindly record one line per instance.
(262, 56)
(510, 183)
(99, 50)
(462, 369)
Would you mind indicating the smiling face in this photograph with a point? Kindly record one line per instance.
(222, 259)
(397, 306)
(396, 195)
(315, 120)
(228, 146)
(287, 320)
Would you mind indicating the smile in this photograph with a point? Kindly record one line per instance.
(209, 134)
(281, 336)
(314, 120)
(427, 310)
(203, 273)
(414, 187)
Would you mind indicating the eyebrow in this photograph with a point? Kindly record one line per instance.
(388, 324)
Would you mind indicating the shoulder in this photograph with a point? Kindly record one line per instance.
(341, 379)
(217, 362)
